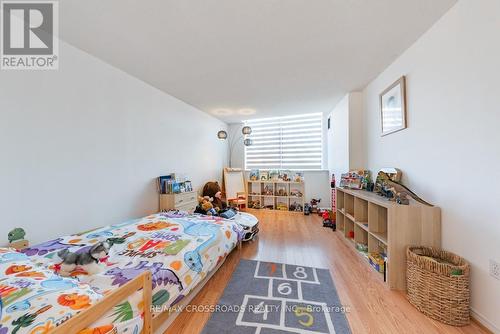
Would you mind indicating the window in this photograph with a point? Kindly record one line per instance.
(293, 142)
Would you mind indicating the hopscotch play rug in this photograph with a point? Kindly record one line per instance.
(272, 298)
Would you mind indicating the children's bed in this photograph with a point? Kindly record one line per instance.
(155, 263)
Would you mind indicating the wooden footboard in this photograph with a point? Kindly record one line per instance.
(89, 316)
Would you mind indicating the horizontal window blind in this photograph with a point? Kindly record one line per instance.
(292, 142)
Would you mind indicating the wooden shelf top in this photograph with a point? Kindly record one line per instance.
(377, 199)
(275, 181)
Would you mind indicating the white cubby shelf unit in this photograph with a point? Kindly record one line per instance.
(276, 195)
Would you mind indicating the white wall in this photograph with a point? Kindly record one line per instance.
(450, 152)
(317, 183)
(81, 147)
(346, 138)
(338, 138)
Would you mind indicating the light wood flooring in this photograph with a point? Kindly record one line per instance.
(301, 240)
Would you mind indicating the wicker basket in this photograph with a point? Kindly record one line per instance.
(439, 290)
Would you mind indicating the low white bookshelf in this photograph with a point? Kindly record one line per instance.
(276, 195)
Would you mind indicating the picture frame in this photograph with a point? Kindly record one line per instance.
(393, 107)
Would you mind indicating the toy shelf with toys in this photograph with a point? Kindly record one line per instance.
(284, 192)
(380, 230)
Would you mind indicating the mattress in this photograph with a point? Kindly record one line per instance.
(179, 250)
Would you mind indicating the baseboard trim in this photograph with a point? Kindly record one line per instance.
(483, 322)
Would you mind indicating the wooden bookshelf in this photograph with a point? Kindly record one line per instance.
(256, 192)
(367, 218)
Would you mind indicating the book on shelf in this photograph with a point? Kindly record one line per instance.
(173, 184)
(254, 175)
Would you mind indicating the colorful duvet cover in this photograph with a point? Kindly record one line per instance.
(179, 250)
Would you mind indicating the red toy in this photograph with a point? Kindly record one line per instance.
(329, 219)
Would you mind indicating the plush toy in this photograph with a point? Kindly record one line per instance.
(206, 205)
(89, 261)
(16, 238)
(213, 190)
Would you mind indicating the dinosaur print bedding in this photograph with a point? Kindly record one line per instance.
(179, 249)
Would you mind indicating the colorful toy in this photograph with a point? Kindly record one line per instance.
(268, 190)
(295, 207)
(205, 206)
(307, 209)
(362, 247)
(282, 206)
(314, 205)
(88, 261)
(329, 219)
(377, 261)
(394, 190)
(254, 204)
(295, 192)
(16, 238)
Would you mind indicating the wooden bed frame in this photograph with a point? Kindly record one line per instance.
(89, 316)
(157, 323)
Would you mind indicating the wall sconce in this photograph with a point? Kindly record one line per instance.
(246, 130)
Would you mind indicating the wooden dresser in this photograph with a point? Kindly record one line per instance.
(366, 218)
(182, 201)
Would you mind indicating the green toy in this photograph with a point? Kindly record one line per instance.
(16, 234)
(16, 238)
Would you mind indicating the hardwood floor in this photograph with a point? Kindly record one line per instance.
(297, 239)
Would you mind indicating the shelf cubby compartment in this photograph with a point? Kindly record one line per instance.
(267, 189)
(349, 204)
(375, 245)
(339, 218)
(377, 221)
(360, 235)
(281, 203)
(360, 210)
(340, 200)
(268, 202)
(349, 228)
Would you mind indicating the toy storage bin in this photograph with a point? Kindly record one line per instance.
(438, 284)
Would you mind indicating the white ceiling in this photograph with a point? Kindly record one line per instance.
(241, 59)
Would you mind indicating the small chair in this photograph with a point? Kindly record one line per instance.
(240, 201)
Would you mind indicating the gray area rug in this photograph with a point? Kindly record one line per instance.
(276, 298)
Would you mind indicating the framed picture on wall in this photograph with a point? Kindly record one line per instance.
(393, 107)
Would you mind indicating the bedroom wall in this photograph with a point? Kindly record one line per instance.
(81, 147)
(450, 152)
(346, 147)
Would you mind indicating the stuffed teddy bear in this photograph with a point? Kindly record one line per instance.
(213, 190)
